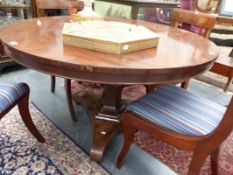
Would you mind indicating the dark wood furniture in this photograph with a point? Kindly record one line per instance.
(188, 55)
(202, 20)
(41, 7)
(181, 119)
(224, 20)
(22, 102)
(224, 64)
(186, 19)
(136, 4)
(182, 17)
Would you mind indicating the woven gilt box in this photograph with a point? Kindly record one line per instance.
(108, 36)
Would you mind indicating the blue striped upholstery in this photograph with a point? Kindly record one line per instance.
(178, 110)
(10, 93)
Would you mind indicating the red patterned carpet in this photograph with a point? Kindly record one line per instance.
(178, 160)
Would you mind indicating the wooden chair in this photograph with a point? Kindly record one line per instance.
(195, 18)
(41, 7)
(224, 64)
(186, 19)
(182, 119)
(18, 94)
(203, 22)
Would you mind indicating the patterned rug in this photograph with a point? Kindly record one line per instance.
(21, 154)
(178, 160)
(83, 90)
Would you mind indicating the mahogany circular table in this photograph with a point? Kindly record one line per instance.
(38, 44)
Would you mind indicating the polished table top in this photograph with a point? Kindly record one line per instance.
(38, 44)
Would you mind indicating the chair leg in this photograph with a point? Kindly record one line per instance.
(229, 81)
(26, 117)
(53, 83)
(128, 131)
(150, 88)
(69, 99)
(185, 84)
(197, 161)
(214, 161)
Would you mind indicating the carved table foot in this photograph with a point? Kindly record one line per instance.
(105, 117)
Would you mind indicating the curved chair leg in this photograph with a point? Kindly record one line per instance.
(214, 161)
(53, 83)
(197, 161)
(128, 140)
(69, 99)
(26, 117)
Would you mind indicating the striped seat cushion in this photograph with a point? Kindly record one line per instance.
(178, 110)
(10, 93)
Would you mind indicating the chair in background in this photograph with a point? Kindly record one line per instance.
(18, 94)
(41, 7)
(204, 6)
(223, 65)
(179, 118)
(203, 21)
(222, 35)
(185, 19)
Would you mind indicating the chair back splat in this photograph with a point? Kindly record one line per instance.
(202, 20)
(194, 21)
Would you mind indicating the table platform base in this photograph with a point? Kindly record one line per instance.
(104, 130)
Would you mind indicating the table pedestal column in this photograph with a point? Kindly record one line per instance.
(105, 117)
